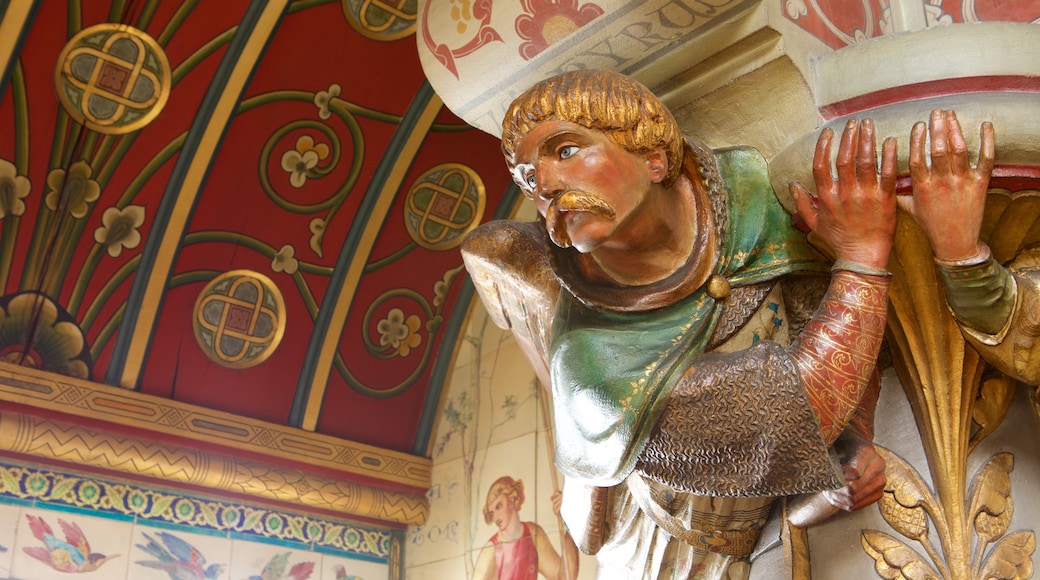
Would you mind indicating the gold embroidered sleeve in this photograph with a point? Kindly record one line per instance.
(837, 351)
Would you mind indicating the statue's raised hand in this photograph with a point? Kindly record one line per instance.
(854, 214)
(949, 196)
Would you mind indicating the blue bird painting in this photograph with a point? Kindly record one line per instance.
(178, 558)
(69, 555)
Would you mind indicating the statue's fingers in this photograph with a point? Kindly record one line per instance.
(918, 163)
(867, 499)
(889, 165)
(866, 156)
(940, 147)
(987, 148)
(958, 149)
(845, 162)
(822, 161)
(804, 202)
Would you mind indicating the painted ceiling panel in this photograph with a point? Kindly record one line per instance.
(297, 168)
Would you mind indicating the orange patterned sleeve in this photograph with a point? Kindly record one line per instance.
(837, 350)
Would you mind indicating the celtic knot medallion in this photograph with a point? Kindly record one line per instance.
(113, 78)
(383, 20)
(444, 205)
(239, 319)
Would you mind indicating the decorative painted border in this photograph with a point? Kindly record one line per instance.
(171, 418)
(24, 435)
(27, 485)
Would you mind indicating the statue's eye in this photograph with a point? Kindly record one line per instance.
(530, 180)
(568, 150)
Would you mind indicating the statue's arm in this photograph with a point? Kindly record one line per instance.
(508, 263)
(836, 353)
(998, 309)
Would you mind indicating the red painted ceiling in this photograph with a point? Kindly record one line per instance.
(397, 338)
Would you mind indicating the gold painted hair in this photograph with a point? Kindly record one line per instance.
(619, 106)
(513, 490)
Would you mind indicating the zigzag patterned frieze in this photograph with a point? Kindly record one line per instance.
(172, 418)
(53, 440)
(80, 446)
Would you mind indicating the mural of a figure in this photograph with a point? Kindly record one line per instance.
(520, 550)
(653, 297)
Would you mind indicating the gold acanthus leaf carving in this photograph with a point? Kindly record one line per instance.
(907, 498)
(894, 560)
(991, 406)
(911, 522)
(1012, 558)
(907, 501)
(991, 503)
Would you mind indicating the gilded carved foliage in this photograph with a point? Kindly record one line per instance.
(910, 507)
(957, 402)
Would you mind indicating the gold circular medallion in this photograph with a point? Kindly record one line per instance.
(383, 20)
(443, 205)
(239, 319)
(113, 78)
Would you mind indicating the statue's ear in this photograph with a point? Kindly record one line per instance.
(657, 163)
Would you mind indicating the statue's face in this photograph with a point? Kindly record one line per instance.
(586, 186)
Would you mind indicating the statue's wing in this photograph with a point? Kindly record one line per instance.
(509, 264)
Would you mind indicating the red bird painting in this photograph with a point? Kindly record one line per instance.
(69, 555)
(276, 569)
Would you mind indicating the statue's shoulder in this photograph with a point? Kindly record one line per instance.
(498, 239)
(508, 261)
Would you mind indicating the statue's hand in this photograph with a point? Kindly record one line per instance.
(864, 471)
(855, 214)
(949, 197)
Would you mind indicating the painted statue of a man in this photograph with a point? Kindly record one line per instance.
(649, 297)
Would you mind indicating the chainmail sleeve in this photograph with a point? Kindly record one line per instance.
(740, 425)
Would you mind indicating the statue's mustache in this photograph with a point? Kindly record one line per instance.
(568, 201)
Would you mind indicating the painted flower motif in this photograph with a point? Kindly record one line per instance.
(284, 260)
(934, 15)
(323, 98)
(399, 333)
(72, 192)
(301, 160)
(55, 344)
(317, 229)
(547, 21)
(13, 189)
(796, 9)
(441, 287)
(119, 229)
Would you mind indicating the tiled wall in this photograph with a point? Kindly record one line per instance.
(54, 523)
(492, 425)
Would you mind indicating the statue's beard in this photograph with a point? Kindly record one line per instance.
(568, 201)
